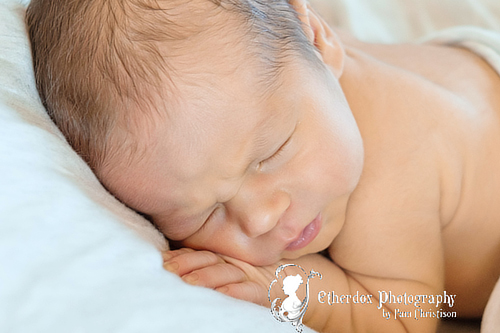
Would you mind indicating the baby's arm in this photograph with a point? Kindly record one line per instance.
(244, 281)
(349, 317)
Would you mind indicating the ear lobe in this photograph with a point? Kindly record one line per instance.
(319, 33)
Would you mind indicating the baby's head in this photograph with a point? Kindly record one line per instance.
(222, 121)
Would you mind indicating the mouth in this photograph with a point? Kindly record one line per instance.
(307, 235)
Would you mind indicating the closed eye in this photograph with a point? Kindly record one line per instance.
(213, 213)
(278, 152)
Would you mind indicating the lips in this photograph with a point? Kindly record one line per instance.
(307, 235)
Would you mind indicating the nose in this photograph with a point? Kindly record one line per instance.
(258, 211)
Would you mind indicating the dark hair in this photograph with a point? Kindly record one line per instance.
(96, 61)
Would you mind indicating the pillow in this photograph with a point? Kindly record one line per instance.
(72, 258)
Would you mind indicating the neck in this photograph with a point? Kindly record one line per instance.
(366, 83)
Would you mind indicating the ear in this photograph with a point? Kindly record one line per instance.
(330, 48)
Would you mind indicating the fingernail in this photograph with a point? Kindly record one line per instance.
(223, 289)
(166, 256)
(171, 266)
(191, 278)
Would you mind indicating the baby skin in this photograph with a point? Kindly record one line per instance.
(389, 158)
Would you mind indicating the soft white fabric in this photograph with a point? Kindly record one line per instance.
(72, 258)
(391, 21)
(485, 43)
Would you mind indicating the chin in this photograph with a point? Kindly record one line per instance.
(313, 248)
(257, 259)
(262, 261)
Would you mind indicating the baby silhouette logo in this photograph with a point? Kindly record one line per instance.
(292, 307)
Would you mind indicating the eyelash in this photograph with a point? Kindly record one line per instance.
(211, 214)
(279, 152)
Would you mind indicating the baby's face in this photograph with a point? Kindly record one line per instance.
(255, 176)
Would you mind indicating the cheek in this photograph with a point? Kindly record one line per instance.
(348, 164)
(216, 236)
(335, 162)
(225, 240)
(315, 172)
(344, 148)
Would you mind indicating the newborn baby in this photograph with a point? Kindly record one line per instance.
(252, 135)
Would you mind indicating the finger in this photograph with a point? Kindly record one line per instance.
(262, 275)
(171, 265)
(167, 255)
(248, 291)
(215, 276)
(189, 261)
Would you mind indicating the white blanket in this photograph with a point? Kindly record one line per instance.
(485, 43)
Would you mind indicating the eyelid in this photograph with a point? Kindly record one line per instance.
(212, 213)
(278, 152)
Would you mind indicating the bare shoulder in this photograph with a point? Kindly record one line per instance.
(392, 227)
(457, 69)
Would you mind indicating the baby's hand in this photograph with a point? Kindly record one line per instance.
(227, 275)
